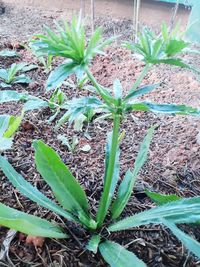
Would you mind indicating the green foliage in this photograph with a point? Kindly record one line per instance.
(29, 224)
(30, 102)
(8, 53)
(70, 42)
(118, 256)
(162, 48)
(9, 76)
(8, 126)
(44, 59)
(65, 141)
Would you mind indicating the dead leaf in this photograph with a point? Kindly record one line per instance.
(37, 241)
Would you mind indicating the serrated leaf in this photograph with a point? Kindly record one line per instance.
(164, 108)
(28, 224)
(190, 243)
(117, 256)
(186, 210)
(161, 199)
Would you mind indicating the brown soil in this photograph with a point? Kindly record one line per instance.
(173, 165)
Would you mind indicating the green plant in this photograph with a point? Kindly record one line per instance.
(44, 59)
(8, 53)
(70, 43)
(9, 76)
(68, 192)
(65, 141)
(8, 127)
(162, 48)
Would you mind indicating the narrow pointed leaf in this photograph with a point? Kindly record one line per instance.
(164, 108)
(126, 186)
(161, 199)
(28, 224)
(116, 169)
(14, 124)
(190, 243)
(4, 123)
(117, 256)
(182, 211)
(141, 91)
(30, 191)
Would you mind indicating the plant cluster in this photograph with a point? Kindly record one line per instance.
(70, 43)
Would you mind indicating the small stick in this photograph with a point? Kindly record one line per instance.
(137, 19)
(83, 8)
(92, 14)
(173, 17)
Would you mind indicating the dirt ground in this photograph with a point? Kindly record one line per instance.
(174, 158)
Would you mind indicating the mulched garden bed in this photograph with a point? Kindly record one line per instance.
(173, 165)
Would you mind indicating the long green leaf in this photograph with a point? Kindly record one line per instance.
(4, 123)
(190, 243)
(164, 108)
(63, 184)
(126, 187)
(28, 224)
(141, 91)
(115, 176)
(161, 199)
(14, 124)
(5, 143)
(30, 191)
(60, 74)
(117, 256)
(182, 211)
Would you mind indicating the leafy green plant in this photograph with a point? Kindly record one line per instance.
(70, 43)
(8, 126)
(43, 58)
(65, 141)
(8, 53)
(73, 203)
(162, 48)
(9, 76)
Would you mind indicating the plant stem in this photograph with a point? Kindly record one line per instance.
(139, 79)
(98, 87)
(105, 201)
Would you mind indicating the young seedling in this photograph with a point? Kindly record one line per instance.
(9, 76)
(44, 59)
(73, 204)
(8, 126)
